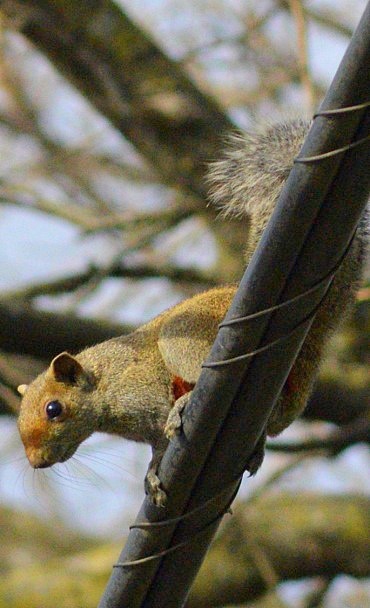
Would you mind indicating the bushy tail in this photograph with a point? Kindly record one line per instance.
(249, 178)
(248, 181)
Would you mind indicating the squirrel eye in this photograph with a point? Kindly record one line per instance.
(53, 409)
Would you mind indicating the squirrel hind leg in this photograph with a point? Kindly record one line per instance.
(256, 458)
(152, 483)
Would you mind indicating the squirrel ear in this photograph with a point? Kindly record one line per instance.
(22, 388)
(66, 368)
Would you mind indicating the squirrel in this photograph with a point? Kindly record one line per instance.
(136, 385)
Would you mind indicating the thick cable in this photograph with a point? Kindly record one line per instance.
(143, 560)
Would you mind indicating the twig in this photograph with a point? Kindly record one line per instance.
(9, 399)
(254, 22)
(325, 18)
(339, 439)
(87, 220)
(329, 20)
(116, 270)
(298, 14)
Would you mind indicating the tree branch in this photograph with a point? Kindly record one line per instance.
(298, 14)
(333, 443)
(116, 270)
(303, 536)
(111, 61)
(44, 334)
(335, 401)
(126, 77)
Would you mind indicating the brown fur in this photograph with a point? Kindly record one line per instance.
(125, 386)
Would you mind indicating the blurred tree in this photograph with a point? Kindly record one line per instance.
(108, 131)
(255, 551)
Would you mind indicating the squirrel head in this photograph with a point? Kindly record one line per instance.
(52, 419)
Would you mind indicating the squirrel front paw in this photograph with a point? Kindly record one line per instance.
(174, 422)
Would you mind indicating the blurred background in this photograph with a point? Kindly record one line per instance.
(109, 113)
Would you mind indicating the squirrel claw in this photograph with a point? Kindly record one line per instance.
(155, 492)
(153, 489)
(174, 421)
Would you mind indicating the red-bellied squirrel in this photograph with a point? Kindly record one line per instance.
(135, 385)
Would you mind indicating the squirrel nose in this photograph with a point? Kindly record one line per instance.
(36, 460)
(41, 465)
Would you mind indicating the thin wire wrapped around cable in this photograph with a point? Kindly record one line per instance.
(318, 157)
(257, 351)
(143, 560)
(327, 278)
(292, 300)
(336, 112)
(174, 520)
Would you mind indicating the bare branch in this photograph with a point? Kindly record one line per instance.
(108, 67)
(324, 17)
(43, 334)
(117, 270)
(87, 219)
(9, 401)
(282, 525)
(333, 443)
(334, 401)
(329, 20)
(298, 14)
